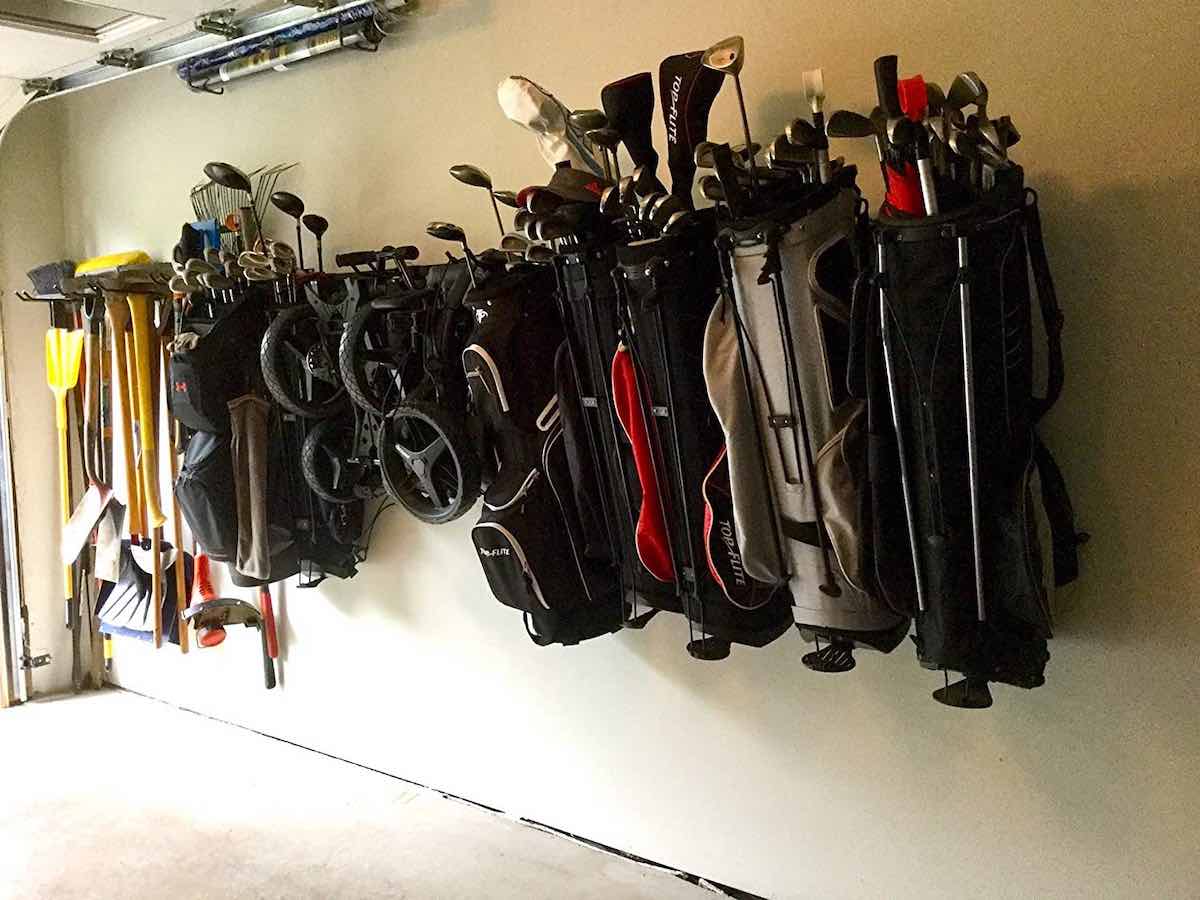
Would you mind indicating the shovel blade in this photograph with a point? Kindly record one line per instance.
(79, 527)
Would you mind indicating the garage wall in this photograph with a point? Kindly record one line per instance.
(754, 771)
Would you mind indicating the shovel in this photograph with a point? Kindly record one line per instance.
(95, 502)
(63, 351)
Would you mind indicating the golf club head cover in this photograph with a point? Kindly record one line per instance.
(536, 109)
(629, 105)
(652, 540)
(914, 97)
(904, 190)
(688, 90)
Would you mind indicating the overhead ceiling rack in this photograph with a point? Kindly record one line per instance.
(210, 34)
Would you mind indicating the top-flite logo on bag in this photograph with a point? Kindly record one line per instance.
(734, 556)
(496, 551)
(673, 113)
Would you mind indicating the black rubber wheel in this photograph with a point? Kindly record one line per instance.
(324, 460)
(378, 368)
(298, 365)
(428, 464)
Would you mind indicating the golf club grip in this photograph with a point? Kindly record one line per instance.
(268, 614)
(887, 79)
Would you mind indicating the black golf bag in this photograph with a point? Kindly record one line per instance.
(948, 359)
(536, 548)
(668, 286)
(776, 357)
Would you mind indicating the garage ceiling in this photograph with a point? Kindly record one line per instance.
(52, 38)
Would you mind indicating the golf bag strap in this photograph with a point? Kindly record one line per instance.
(801, 532)
(1052, 316)
(1061, 515)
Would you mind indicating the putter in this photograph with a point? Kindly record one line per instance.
(318, 225)
(587, 121)
(814, 89)
(728, 57)
(473, 176)
(608, 139)
(291, 205)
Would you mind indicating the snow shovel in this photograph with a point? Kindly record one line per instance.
(95, 502)
(63, 351)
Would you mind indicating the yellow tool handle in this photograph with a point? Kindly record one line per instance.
(156, 593)
(123, 387)
(64, 485)
(139, 310)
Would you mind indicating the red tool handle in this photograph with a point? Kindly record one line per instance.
(207, 637)
(268, 614)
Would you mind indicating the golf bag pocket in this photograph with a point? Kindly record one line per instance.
(217, 369)
(207, 494)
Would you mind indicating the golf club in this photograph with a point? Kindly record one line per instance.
(318, 225)
(473, 176)
(291, 205)
(814, 90)
(728, 57)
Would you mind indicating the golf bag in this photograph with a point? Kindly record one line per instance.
(532, 541)
(948, 358)
(776, 356)
(667, 288)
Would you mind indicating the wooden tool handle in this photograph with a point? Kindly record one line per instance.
(139, 311)
(176, 524)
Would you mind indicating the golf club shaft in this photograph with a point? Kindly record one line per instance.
(964, 294)
(300, 244)
(885, 333)
(496, 210)
(737, 83)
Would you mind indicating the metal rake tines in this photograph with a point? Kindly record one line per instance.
(264, 187)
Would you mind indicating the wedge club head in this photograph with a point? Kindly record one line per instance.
(847, 124)
(727, 56)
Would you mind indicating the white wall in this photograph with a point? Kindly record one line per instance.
(754, 771)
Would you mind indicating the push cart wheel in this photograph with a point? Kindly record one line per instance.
(328, 461)
(428, 463)
(299, 367)
(378, 358)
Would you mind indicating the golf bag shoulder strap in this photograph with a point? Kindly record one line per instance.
(1060, 514)
(1052, 316)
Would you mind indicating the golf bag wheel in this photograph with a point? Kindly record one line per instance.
(325, 460)
(377, 360)
(832, 658)
(299, 366)
(428, 463)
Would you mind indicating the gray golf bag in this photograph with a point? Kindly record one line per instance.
(947, 343)
(777, 348)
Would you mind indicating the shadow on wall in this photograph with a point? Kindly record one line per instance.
(1136, 505)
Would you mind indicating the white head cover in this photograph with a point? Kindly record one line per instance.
(536, 109)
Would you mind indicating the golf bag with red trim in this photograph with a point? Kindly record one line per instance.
(947, 340)
(776, 356)
(668, 286)
(535, 545)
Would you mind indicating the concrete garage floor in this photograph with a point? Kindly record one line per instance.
(81, 817)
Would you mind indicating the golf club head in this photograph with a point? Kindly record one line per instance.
(288, 204)
(514, 243)
(228, 176)
(645, 182)
(250, 258)
(179, 284)
(217, 281)
(711, 189)
(198, 267)
(663, 210)
(587, 120)
(318, 225)
(446, 231)
(1009, 135)
(813, 81)
(522, 219)
(542, 202)
(539, 253)
(260, 274)
(507, 198)
(727, 56)
(607, 138)
(553, 229)
(802, 133)
(967, 89)
(902, 130)
(280, 250)
(213, 256)
(742, 153)
(847, 124)
(610, 202)
(677, 222)
(645, 205)
(471, 175)
(935, 98)
(702, 156)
